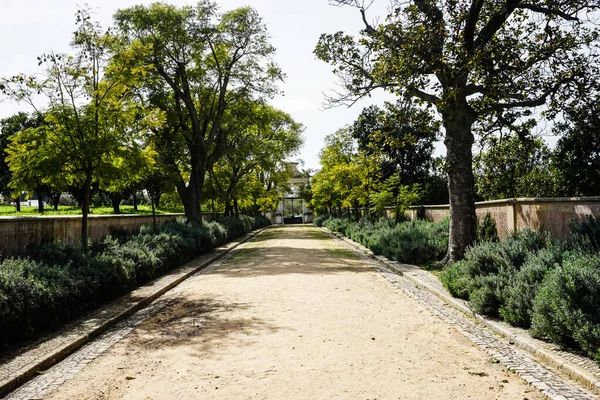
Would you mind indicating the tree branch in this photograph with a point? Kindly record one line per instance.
(536, 102)
(469, 31)
(430, 98)
(495, 23)
(548, 11)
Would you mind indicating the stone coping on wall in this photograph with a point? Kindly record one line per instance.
(590, 199)
(90, 216)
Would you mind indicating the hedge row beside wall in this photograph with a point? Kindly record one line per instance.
(58, 282)
(413, 242)
(536, 281)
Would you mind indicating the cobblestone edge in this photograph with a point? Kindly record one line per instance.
(543, 356)
(48, 360)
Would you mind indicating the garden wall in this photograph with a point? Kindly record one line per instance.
(550, 214)
(17, 232)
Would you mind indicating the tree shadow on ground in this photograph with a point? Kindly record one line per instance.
(279, 260)
(203, 325)
(296, 232)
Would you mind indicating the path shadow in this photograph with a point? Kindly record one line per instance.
(204, 325)
(280, 260)
(296, 232)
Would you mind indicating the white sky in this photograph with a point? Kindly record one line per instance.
(32, 27)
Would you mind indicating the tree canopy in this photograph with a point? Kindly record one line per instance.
(201, 62)
(478, 63)
(577, 154)
(512, 167)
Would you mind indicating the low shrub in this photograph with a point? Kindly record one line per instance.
(533, 280)
(585, 235)
(565, 309)
(318, 221)
(486, 229)
(489, 268)
(523, 286)
(58, 281)
(414, 242)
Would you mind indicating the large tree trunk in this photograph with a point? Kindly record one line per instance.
(85, 210)
(228, 208)
(18, 203)
(153, 213)
(191, 195)
(56, 200)
(461, 184)
(135, 201)
(191, 202)
(40, 202)
(115, 200)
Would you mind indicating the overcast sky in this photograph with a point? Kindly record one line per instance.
(32, 27)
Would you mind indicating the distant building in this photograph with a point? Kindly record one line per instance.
(292, 208)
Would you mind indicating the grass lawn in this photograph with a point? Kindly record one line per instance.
(68, 210)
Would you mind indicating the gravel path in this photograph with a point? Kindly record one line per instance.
(292, 314)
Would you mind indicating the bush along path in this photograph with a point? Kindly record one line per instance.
(499, 341)
(529, 280)
(291, 314)
(58, 282)
(22, 361)
(534, 281)
(412, 242)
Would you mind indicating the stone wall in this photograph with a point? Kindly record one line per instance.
(550, 214)
(17, 232)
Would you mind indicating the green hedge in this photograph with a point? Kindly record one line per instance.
(57, 282)
(535, 281)
(414, 242)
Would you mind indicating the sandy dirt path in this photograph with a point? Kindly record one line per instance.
(293, 315)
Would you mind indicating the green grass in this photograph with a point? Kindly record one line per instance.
(69, 210)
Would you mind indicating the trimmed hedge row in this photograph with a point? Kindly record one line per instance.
(535, 281)
(414, 242)
(57, 282)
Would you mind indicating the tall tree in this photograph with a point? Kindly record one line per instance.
(475, 61)
(202, 62)
(577, 153)
(400, 136)
(9, 127)
(92, 121)
(513, 167)
(260, 138)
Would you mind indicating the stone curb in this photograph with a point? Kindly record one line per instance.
(544, 356)
(48, 360)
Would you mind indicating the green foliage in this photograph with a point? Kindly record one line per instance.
(93, 124)
(565, 309)
(524, 285)
(320, 220)
(57, 282)
(533, 280)
(400, 137)
(576, 158)
(204, 67)
(486, 229)
(262, 139)
(32, 178)
(488, 269)
(514, 167)
(585, 235)
(414, 242)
